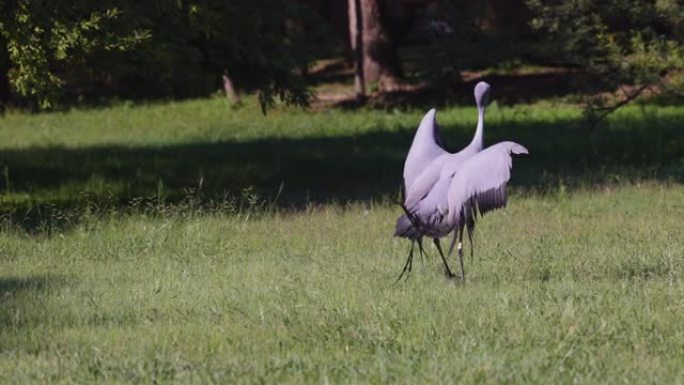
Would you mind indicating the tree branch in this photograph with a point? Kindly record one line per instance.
(605, 111)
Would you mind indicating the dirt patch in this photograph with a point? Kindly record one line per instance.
(333, 82)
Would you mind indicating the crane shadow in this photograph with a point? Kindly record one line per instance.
(51, 187)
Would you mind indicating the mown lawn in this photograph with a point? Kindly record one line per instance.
(189, 243)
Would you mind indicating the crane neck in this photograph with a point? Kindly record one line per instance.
(477, 139)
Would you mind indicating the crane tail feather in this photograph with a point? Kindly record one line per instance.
(406, 229)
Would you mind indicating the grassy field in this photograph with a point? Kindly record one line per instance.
(189, 243)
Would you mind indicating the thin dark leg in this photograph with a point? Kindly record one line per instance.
(410, 261)
(416, 224)
(470, 240)
(421, 249)
(407, 265)
(441, 254)
(460, 254)
(453, 241)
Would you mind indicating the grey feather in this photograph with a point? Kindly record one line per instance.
(481, 181)
(447, 193)
(424, 149)
(479, 186)
(405, 229)
(423, 169)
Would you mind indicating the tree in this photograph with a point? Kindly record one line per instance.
(634, 45)
(266, 51)
(375, 52)
(65, 50)
(5, 88)
(380, 57)
(356, 43)
(44, 39)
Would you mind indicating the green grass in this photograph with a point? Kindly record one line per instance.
(114, 155)
(117, 267)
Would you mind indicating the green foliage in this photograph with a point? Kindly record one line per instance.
(166, 48)
(45, 37)
(267, 51)
(467, 36)
(615, 43)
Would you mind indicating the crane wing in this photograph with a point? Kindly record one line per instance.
(480, 183)
(425, 148)
(424, 182)
(428, 216)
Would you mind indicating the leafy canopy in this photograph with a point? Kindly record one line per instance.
(170, 48)
(633, 44)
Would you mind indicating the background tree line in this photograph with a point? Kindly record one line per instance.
(57, 53)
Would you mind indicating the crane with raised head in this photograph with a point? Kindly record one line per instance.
(454, 188)
(427, 160)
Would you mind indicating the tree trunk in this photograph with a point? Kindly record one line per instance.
(356, 42)
(5, 89)
(231, 93)
(380, 57)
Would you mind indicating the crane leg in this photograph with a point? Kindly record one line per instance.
(408, 264)
(421, 249)
(460, 254)
(441, 254)
(470, 240)
(470, 227)
(453, 242)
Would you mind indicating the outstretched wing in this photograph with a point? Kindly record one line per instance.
(425, 148)
(480, 183)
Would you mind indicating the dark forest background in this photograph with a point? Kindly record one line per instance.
(63, 53)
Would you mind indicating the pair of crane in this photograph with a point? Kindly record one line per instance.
(443, 192)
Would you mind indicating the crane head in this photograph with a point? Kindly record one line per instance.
(481, 94)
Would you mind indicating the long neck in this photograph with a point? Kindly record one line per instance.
(477, 139)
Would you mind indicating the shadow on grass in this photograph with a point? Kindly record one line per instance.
(19, 297)
(47, 186)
